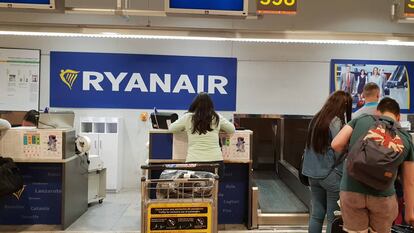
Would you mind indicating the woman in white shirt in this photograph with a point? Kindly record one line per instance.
(203, 125)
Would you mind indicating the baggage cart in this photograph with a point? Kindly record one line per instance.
(187, 204)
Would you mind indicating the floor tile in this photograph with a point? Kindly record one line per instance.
(94, 223)
(127, 223)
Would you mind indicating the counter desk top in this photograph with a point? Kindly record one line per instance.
(183, 161)
(43, 160)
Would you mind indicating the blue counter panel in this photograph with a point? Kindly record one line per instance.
(233, 194)
(161, 146)
(40, 202)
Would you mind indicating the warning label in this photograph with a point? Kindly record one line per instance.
(179, 223)
(179, 217)
(187, 210)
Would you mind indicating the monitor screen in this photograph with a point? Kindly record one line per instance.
(219, 7)
(28, 4)
(161, 120)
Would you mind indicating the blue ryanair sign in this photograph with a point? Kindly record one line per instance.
(108, 80)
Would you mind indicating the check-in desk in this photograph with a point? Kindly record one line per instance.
(234, 188)
(55, 191)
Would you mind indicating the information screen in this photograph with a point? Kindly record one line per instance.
(224, 5)
(36, 4)
(208, 6)
(19, 79)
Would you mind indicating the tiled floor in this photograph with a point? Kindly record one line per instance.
(121, 213)
(118, 212)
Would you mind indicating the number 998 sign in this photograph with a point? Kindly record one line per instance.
(409, 8)
(276, 6)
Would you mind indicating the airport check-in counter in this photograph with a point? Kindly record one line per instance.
(234, 196)
(279, 143)
(55, 191)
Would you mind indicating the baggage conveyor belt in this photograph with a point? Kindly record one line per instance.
(275, 196)
(277, 204)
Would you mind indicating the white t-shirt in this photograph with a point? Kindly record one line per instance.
(202, 147)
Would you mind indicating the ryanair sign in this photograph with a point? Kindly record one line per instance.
(103, 80)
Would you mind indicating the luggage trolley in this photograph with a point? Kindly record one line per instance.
(184, 204)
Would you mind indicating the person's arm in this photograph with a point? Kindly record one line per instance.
(408, 187)
(178, 125)
(4, 124)
(226, 125)
(341, 140)
(335, 126)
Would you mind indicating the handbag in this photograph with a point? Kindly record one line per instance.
(11, 180)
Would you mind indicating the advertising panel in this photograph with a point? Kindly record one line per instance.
(40, 199)
(392, 77)
(108, 80)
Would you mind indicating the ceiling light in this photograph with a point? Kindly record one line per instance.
(203, 38)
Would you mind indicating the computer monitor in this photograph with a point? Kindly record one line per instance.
(161, 120)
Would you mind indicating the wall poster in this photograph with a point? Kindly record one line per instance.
(392, 77)
(19, 79)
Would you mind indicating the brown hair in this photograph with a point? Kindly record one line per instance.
(339, 104)
(389, 105)
(370, 90)
(204, 115)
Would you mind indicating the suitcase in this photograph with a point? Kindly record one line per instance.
(337, 225)
(402, 229)
(193, 188)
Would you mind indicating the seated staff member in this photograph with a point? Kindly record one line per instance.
(31, 118)
(202, 125)
(4, 125)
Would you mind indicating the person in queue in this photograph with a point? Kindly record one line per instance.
(31, 118)
(371, 94)
(365, 209)
(320, 161)
(203, 125)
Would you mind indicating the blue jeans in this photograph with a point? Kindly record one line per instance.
(324, 194)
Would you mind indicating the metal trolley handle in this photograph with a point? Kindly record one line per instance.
(181, 166)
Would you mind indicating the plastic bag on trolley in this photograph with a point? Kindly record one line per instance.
(182, 186)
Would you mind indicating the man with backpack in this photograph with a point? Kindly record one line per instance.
(378, 149)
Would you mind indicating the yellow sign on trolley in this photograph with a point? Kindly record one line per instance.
(179, 217)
